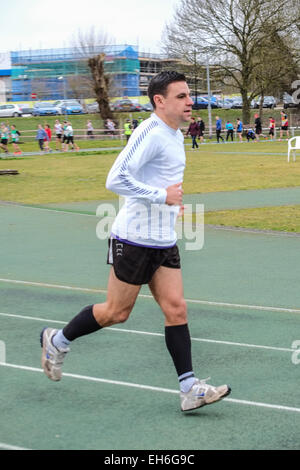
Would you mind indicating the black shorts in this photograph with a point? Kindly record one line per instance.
(271, 131)
(137, 264)
(284, 128)
(4, 141)
(58, 136)
(70, 139)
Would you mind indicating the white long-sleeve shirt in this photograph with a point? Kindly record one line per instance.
(153, 159)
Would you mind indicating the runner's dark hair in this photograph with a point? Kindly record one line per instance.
(159, 84)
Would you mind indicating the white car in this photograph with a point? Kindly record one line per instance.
(10, 110)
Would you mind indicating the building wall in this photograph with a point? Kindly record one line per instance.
(5, 74)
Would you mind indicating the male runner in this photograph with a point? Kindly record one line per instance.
(143, 250)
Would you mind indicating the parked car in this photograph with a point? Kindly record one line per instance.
(68, 107)
(237, 103)
(269, 102)
(44, 109)
(26, 110)
(124, 105)
(10, 110)
(288, 101)
(202, 103)
(136, 106)
(147, 107)
(226, 103)
(92, 108)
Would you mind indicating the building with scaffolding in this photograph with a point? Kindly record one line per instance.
(63, 73)
(53, 74)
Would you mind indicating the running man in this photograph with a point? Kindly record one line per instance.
(149, 173)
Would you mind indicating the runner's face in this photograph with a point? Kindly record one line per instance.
(176, 106)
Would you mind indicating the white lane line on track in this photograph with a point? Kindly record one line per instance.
(5, 446)
(151, 388)
(147, 296)
(147, 333)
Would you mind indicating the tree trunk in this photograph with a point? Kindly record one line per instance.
(262, 97)
(246, 107)
(101, 85)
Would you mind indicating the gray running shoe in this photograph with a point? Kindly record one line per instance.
(52, 358)
(202, 394)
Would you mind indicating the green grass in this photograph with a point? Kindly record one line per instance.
(62, 178)
(80, 176)
(212, 169)
(282, 218)
(33, 146)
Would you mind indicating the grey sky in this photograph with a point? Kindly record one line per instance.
(33, 24)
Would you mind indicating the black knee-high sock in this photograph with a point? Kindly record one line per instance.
(178, 342)
(83, 324)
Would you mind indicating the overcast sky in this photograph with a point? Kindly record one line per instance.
(36, 24)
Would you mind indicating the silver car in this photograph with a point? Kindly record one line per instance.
(10, 110)
(92, 108)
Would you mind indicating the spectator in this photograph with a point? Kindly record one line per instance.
(250, 134)
(193, 130)
(127, 129)
(229, 128)
(201, 125)
(219, 129)
(134, 124)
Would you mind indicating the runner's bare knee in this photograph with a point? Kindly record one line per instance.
(175, 311)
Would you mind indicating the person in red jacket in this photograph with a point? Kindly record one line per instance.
(49, 134)
(193, 130)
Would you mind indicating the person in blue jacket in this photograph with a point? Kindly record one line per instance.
(41, 136)
(239, 129)
(219, 129)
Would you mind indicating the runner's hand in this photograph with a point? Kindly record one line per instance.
(174, 195)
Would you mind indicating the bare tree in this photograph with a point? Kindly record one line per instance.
(101, 85)
(277, 68)
(230, 32)
(91, 47)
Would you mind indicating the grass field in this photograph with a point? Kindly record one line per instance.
(74, 177)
